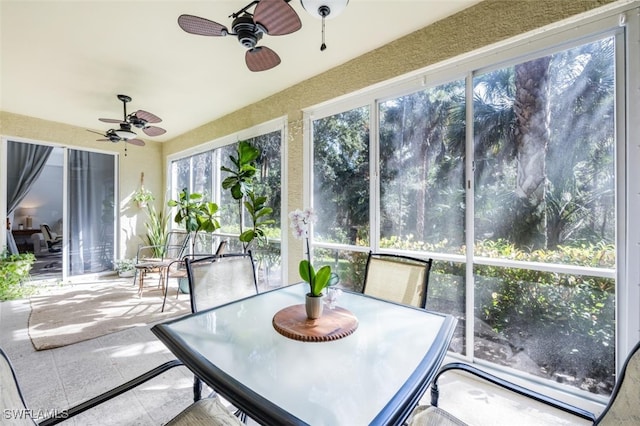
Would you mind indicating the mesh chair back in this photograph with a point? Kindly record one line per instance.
(10, 395)
(176, 245)
(623, 408)
(400, 279)
(219, 279)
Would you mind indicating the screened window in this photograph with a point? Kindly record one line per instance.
(531, 218)
(200, 173)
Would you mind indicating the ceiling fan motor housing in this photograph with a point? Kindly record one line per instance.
(247, 31)
(137, 121)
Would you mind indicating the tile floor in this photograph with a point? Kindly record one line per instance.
(61, 377)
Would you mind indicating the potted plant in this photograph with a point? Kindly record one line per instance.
(142, 196)
(318, 281)
(195, 215)
(157, 230)
(14, 269)
(240, 184)
(125, 267)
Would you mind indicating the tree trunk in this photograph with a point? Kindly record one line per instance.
(531, 108)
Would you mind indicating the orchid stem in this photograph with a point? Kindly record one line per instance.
(309, 265)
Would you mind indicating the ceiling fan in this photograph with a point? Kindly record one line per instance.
(271, 17)
(139, 119)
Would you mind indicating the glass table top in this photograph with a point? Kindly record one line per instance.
(346, 381)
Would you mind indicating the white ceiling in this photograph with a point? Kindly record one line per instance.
(66, 61)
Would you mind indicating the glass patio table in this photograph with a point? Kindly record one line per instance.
(376, 375)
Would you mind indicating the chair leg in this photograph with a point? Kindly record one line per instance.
(435, 393)
(141, 282)
(197, 389)
(164, 299)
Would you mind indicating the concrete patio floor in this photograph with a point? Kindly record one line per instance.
(61, 377)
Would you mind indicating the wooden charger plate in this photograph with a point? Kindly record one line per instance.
(334, 324)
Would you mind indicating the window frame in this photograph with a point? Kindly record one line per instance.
(620, 21)
(276, 125)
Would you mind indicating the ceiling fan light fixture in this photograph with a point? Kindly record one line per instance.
(125, 134)
(324, 9)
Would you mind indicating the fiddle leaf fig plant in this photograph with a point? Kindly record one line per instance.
(240, 184)
(194, 214)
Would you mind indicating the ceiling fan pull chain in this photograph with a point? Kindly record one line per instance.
(323, 45)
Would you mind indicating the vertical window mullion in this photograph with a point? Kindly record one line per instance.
(469, 217)
(374, 173)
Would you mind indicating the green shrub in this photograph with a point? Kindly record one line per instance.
(14, 270)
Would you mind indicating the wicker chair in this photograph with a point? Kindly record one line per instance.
(623, 407)
(206, 411)
(400, 279)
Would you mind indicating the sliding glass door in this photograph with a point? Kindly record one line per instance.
(90, 205)
(72, 193)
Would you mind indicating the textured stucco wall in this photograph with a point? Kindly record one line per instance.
(147, 160)
(485, 23)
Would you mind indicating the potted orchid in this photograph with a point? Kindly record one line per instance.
(301, 221)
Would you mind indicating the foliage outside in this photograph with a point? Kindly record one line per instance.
(543, 183)
(14, 270)
(568, 320)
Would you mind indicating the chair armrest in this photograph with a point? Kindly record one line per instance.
(82, 407)
(563, 406)
(142, 248)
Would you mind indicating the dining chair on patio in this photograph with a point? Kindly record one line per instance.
(156, 258)
(622, 409)
(398, 278)
(217, 280)
(178, 270)
(207, 411)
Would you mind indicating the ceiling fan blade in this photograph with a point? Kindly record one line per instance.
(110, 120)
(97, 133)
(154, 131)
(147, 116)
(277, 16)
(138, 142)
(201, 26)
(261, 58)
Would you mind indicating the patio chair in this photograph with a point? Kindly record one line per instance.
(623, 407)
(177, 269)
(400, 279)
(156, 258)
(216, 280)
(219, 279)
(206, 411)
